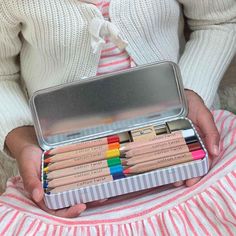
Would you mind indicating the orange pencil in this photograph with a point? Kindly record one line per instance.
(87, 158)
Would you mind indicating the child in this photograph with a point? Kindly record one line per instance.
(46, 43)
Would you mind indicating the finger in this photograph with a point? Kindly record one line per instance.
(33, 186)
(29, 166)
(70, 212)
(209, 132)
(209, 163)
(178, 184)
(31, 180)
(192, 181)
(102, 200)
(97, 203)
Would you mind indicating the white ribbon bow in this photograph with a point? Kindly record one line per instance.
(100, 28)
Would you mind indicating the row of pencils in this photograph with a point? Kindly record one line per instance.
(106, 159)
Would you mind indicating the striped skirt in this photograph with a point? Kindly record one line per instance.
(207, 208)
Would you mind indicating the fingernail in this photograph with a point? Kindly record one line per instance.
(102, 200)
(215, 150)
(36, 195)
(179, 183)
(82, 208)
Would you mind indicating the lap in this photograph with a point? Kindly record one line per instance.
(207, 208)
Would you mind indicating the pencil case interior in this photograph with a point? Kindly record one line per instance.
(139, 106)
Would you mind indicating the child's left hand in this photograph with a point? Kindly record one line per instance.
(203, 121)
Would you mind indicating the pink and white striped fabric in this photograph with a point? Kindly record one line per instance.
(112, 58)
(207, 208)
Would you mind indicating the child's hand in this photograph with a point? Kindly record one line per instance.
(203, 121)
(22, 144)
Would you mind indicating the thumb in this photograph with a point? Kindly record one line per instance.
(37, 192)
(210, 133)
(34, 187)
(31, 179)
(212, 143)
(29, 167)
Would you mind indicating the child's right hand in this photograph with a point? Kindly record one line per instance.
(22, 144)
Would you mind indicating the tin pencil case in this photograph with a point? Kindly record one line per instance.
(108, 105)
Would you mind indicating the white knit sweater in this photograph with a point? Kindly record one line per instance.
(46, 42)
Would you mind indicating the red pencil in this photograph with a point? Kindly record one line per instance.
(162, 146)
(82, 145)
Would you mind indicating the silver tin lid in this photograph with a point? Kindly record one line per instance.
(109, 104)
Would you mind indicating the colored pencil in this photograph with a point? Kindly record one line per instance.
(188, 135)
(93, 174)
(89, 151)
(164, 162)
(87, 158)
(82, 145)
(82, 168)
(156, 155)
(86, 183)
(162, 146)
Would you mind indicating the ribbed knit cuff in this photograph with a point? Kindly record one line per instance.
(204, 61)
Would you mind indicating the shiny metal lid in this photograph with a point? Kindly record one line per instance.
(105, 105)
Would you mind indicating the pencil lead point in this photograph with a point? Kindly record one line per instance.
(48, 160)
(126, 171)
(128, 154)
(124, 162)
(45, 185)
(47, 153)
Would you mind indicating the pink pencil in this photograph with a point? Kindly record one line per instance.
(164, 162)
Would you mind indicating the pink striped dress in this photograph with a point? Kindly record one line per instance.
(207, 208)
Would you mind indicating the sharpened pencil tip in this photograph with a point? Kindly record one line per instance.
(124, 162)
(122, 149)
(45, 169)
(48, 160)
(47, 152)
(126, 171)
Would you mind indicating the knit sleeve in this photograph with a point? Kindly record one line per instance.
(14, 109)
(211, 46)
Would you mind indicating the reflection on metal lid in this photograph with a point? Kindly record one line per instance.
(104, 105)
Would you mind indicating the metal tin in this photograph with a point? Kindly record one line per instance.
(109, 104)
(112, 104)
